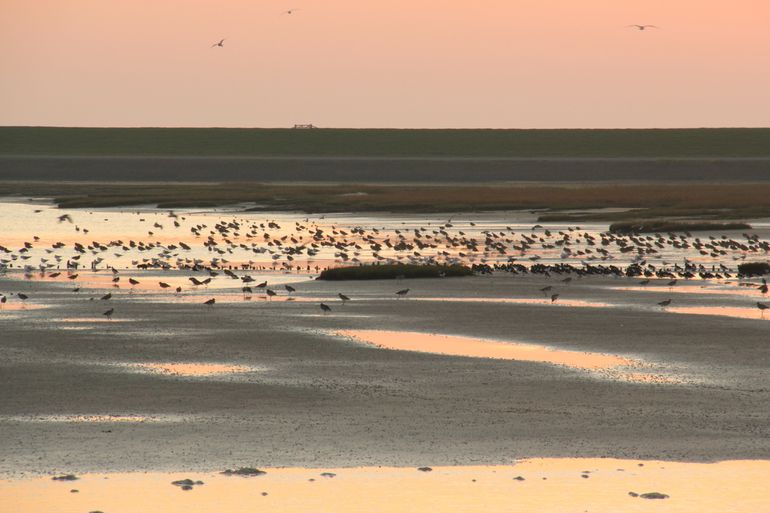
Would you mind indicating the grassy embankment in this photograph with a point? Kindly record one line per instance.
(658, 201)
(655, 144)
(385, 272)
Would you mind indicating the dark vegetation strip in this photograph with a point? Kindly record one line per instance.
(389, 272)
(662, 226)
(656, 144)
(754, 268)
(696, 201)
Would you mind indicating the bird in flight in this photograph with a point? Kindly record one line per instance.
(642, 27)
(221, 44)
(290, 11)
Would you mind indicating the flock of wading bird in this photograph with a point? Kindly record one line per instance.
(486, 251)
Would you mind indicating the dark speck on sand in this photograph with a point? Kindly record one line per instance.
(66, 477)
(654, 495)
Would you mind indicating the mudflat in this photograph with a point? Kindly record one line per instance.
(82, 393)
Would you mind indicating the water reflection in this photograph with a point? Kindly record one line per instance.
(721, 311)
(196, 369)
(577, 303)
(454, 345)
(535, 485)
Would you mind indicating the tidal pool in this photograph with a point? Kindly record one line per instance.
(577, 303)
(190, 369)
(721, 311)
(453, 345)
(534, 485)
(600, 365)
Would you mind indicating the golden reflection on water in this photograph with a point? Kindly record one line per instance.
(548, 486)
(453, 345)
(518, 300)
(716, 290)
(20, 307)
(723, 311)
(191, 369)
(98, 419)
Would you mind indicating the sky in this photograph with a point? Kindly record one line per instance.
(385, 63)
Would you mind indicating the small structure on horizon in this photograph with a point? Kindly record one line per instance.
(309, 126)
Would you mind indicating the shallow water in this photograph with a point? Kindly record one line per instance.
(242, 246)
(721, 311)
(196, 369)
(454, 345)
(598, 365)
(576, 303)
(547, 486)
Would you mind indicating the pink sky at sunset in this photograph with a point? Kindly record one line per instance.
(395, 63)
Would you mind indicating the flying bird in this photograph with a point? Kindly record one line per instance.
(220, 44)
(642, 27)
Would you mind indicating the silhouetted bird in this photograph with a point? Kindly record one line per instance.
(665, 303)
(210, 302)
(325, 308)
(109, 313)
(402, 293)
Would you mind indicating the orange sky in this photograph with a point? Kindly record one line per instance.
(387, 63)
